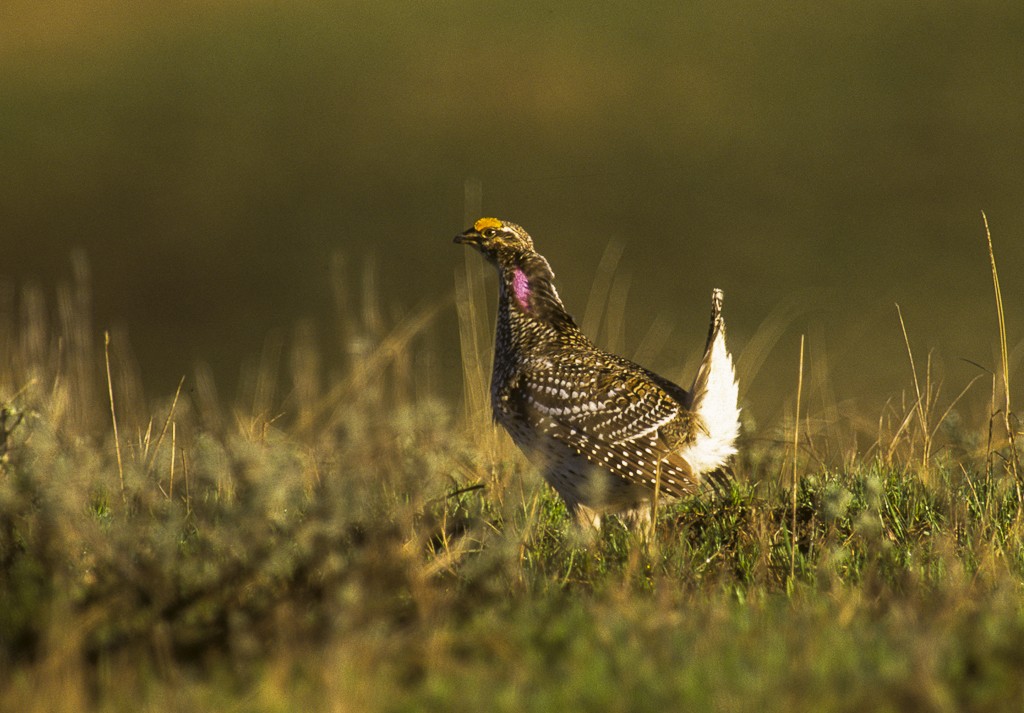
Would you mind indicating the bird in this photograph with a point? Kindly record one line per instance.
(610, 436)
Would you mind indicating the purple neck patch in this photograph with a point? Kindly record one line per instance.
(521, 289)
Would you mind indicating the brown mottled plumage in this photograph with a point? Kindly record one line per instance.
(607, 432)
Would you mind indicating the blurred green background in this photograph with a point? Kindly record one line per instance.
(818, 161)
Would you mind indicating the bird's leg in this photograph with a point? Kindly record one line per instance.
(585, 518)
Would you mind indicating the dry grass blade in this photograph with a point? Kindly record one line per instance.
(894, 442)
(174, 444)
(472, 309)
(163, 431)
(474, 337)
(113, 413)
(920, 406)
(1004, 358)
(795, 480)
(952, 405)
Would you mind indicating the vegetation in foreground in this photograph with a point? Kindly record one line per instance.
(373, 550)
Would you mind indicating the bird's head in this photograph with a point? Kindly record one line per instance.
(501, 242)
(525, 276)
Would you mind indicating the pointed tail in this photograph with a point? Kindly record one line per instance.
(714, 399)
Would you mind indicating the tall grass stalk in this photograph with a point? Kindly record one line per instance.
(1004, 361)
(795, 479)
(923, 408)
(168, 421)
(113, 413)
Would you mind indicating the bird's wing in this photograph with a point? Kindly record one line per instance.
(606, 402)
(614, 415)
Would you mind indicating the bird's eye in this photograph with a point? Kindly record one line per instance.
(489, 233)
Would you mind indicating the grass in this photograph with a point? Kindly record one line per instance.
(344, 542)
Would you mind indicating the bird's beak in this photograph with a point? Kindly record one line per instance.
(470, 237)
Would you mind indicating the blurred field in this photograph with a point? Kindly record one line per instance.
(817, 163)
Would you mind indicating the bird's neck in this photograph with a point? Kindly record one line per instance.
(529, 298)
(531, 319)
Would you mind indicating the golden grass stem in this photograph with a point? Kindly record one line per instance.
(920, 405)
(174, 443)
(113, 412)
(796, 446)
(184, 472)
(163, 431)
(1003, 356)
(473, 340)
(475, 329)
(1001, 315)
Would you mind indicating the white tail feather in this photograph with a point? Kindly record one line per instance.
(714, 400)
